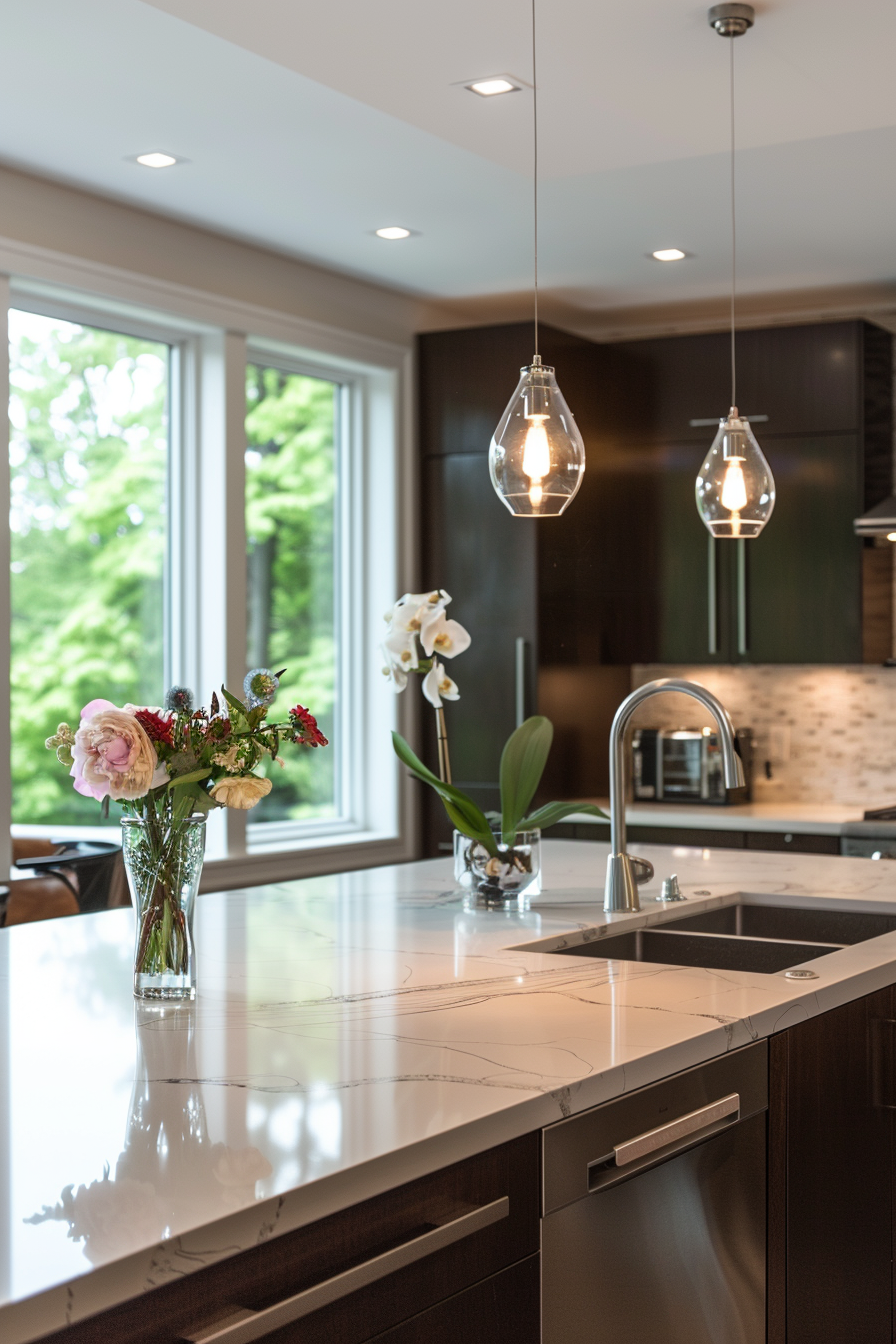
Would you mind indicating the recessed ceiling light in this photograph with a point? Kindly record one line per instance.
(669, 254)
(156, 160)
(392, 232)
(487, 88)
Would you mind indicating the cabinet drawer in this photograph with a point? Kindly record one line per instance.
(358, 1273)
(504, 1307)
(782, 841)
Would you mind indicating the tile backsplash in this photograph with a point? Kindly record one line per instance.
(829, 733)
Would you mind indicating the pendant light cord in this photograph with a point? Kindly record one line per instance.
(535, 173)
(733, 230)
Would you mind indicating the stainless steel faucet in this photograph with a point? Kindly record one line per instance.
(621, 892)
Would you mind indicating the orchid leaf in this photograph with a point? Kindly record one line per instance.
(551, 813)
(462, 811)
(523, 760)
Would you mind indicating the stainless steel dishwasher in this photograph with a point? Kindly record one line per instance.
(654, 1227)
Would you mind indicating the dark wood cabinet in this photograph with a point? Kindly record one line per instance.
(831, 1127)
(457, 1288)
(504, 1307)
(629, 573)
(784, 842)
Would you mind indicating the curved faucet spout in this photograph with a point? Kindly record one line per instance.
(620, 892)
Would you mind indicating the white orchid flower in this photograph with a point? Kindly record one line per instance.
(401, 649)
(438, 685)
(411, 610)
(438, 634)
(397, 678)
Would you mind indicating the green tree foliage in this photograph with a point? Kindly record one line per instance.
(88, 460)
(291, 532)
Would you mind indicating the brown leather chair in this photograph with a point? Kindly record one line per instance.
(49, 896)
(34, 898)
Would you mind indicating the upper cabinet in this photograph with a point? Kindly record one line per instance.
(629, 573)
(807, 590)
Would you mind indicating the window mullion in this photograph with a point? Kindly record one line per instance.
(218, 637)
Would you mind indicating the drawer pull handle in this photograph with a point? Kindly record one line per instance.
(241, 1326)
(681, 1128)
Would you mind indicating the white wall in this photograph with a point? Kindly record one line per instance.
(45, 217)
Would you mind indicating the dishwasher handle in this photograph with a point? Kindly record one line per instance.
(664, 1141)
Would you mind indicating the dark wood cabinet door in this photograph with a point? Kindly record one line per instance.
(503, 1308)
(662, 588)
(802, 579)
(486, 559)
(831, 1146)
(797, 379)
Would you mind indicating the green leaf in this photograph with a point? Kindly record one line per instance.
(551, 813)
(192, 799)
(463, 812)
(238, 713)
(522, 765)
(193, 777)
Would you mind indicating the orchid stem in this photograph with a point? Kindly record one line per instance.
(442, 736)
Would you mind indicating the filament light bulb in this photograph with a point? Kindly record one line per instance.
(536, 458)
(536, 450)
(735, 488)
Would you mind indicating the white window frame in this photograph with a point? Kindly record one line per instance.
(212, 340)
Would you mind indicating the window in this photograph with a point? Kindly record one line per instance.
(293, 545)
(187, 503)
(88, 479)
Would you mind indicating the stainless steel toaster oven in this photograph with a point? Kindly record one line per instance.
(684, 765)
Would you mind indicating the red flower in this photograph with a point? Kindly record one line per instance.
(157, 728)
(305, 729)
(218, 728)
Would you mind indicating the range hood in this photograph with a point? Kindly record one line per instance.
(879, 521)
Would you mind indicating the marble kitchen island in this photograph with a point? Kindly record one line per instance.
(351, 1033)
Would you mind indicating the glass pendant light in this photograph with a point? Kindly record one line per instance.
(735, 488)
(536, 458)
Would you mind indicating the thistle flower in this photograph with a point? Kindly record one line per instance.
(179, 699)
(260, 686)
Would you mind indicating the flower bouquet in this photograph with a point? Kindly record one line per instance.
(168, 768)
(501, 853)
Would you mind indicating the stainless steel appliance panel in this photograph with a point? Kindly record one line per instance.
(654, 1227)
(676, 1255)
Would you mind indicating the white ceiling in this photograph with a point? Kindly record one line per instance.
(306, 126)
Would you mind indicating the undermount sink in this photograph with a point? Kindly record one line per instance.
(740, 937)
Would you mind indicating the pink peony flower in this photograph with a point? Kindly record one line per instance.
(112, 754)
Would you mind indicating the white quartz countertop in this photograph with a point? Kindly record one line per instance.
(804, 818)
(350, 1033)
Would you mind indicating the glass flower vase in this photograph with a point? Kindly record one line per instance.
(510, 880)
(163, 860)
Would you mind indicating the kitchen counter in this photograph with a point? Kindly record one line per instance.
(352, 1032)
(805, 818)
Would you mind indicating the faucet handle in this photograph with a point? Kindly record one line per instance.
(642, 870)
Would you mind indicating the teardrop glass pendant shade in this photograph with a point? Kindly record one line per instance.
(735, 487)
(536, 457)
